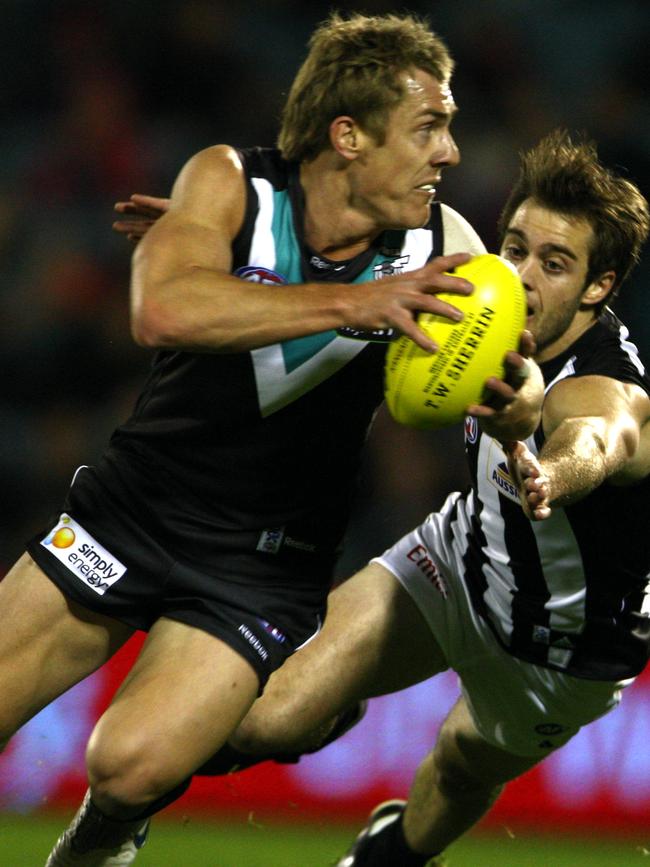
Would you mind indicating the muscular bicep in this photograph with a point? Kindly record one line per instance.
(613, 412)
(181, 268)
(594, 396)
(637, 467)
(205, 214)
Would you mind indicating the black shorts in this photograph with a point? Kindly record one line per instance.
(110, 554)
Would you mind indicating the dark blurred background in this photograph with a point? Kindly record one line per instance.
(99, 100)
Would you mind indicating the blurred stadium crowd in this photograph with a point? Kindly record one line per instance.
(100, 100)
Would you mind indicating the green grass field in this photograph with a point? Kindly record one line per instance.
(25, 842)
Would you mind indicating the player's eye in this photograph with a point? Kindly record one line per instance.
(513, 252)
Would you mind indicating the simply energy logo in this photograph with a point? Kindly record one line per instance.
(83, 556)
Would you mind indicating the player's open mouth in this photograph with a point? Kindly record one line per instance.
(429, 190)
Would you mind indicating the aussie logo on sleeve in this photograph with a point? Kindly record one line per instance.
(502, 480)
(82, 555)
(498, 474)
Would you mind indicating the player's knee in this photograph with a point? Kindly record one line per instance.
(126, 776)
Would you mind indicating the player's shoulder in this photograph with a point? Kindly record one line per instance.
(598, 369)
(211, 182)
(217, 161)
(459, 235)
(233, 167)
(608, 349)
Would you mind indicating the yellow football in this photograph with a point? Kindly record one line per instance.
(431, 391)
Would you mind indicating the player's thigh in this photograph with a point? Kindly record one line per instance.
(463, 756)
(184, 695)
(374, 641)
(47, 643)
(374, 621)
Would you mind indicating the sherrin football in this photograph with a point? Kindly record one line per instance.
(431, 391)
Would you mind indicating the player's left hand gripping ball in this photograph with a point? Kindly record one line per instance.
(432, 391)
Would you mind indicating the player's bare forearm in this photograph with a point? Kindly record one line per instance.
(179, 305)
(581, 454)
(578, 457)
(207, 310)
(573, 462)
(593, 427)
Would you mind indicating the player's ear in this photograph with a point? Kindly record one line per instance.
(346, 137)
(599, 289)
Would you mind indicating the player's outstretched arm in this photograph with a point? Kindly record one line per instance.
(597, 430)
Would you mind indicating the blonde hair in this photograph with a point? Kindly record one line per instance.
(352, 68)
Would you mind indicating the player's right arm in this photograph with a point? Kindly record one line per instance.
(597, 429)
(183, 295)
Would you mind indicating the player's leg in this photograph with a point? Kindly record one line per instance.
(457, 783)
(184, 695)
(511, 716)
(47, 643)
(318, 694)
(372, 626)
(454, 787)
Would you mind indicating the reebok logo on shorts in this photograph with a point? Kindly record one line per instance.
(254, 641)
(83, 556)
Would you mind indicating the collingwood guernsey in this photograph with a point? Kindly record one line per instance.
(563, 592)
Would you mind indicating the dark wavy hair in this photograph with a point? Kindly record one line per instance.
(566, 176)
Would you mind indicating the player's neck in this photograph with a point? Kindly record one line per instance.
(332, 228)
(583, 321)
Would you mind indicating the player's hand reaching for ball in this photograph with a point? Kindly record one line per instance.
(511, 408)
(529, 479)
